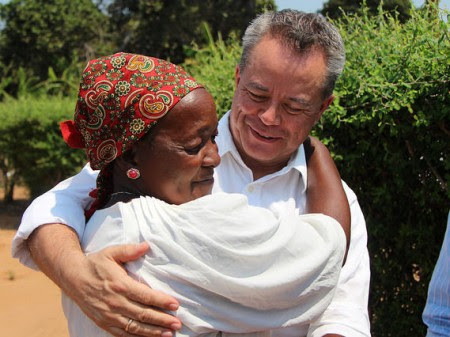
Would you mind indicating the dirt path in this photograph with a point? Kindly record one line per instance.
(29, 302)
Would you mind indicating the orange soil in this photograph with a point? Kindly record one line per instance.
(29, 302)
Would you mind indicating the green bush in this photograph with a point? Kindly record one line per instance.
(31, 147)
(214, 66)
(388, 130)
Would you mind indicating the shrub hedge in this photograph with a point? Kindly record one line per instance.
(214, 66)
(390, 126)
(31, 147)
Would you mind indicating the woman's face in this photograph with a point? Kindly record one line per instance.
(177, 161)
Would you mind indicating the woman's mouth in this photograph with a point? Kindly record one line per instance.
(206, 180)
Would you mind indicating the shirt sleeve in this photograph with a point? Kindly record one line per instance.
(437, 309)
(347, 315)
(64, 204)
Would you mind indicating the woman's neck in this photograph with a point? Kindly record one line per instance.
(120, 196)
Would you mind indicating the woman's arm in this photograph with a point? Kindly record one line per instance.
(325, 193)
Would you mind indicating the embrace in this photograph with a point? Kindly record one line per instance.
(242, 260)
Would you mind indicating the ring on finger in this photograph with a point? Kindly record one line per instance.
(127, 327)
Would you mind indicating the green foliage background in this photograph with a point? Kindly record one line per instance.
(389, 127)
(214, 66)
(334, 8)
(165, 29)
(31, 147)
(39, 34)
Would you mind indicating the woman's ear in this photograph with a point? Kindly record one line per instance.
(127, 160)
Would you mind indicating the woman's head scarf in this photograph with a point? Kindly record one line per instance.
(120, 98)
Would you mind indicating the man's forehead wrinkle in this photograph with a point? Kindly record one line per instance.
(258, 86)
(299, 100)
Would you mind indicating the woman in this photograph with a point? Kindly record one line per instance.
(150, 127)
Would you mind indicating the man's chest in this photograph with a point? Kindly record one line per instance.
(282, 194)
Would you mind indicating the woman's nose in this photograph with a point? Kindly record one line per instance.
(212, 157)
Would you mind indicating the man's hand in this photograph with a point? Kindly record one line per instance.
(100, 286)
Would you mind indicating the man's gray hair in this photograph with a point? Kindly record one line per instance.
(300, 32)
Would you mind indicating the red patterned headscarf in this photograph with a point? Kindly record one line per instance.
(121, 96)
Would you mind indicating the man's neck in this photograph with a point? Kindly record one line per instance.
(261, 169)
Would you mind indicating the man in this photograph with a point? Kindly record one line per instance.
(436, 314)
(284, 82)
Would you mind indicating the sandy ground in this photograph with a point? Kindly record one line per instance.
(29, 302)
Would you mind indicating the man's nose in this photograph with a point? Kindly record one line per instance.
(270, 116)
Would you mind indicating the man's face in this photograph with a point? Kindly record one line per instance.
(278, 99)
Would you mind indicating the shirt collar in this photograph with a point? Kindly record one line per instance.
(226, 145)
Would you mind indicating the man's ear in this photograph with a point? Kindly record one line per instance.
(325, 104)
(237, 75)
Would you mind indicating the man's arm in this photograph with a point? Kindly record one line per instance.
(63, 204)
(98, 282)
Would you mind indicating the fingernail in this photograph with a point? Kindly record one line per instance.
(166, 333)
(175, 326)
(173, 306)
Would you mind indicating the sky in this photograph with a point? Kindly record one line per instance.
(315, 5)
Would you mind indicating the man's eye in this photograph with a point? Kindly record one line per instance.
(294, 110)
(255, 97)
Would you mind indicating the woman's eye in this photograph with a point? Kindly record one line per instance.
(197, 148)
(213, 137)
(194, 150)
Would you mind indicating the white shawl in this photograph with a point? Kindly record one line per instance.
(234, 268)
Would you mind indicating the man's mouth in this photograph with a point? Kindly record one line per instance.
(262, 136)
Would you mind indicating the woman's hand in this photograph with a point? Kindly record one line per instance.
(100, 286)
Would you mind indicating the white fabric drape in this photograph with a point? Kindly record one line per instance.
(234, 268)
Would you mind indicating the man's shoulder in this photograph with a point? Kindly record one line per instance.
(351, 195)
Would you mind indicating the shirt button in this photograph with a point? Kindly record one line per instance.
(250, 189)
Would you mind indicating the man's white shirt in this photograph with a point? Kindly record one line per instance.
(281, 192)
